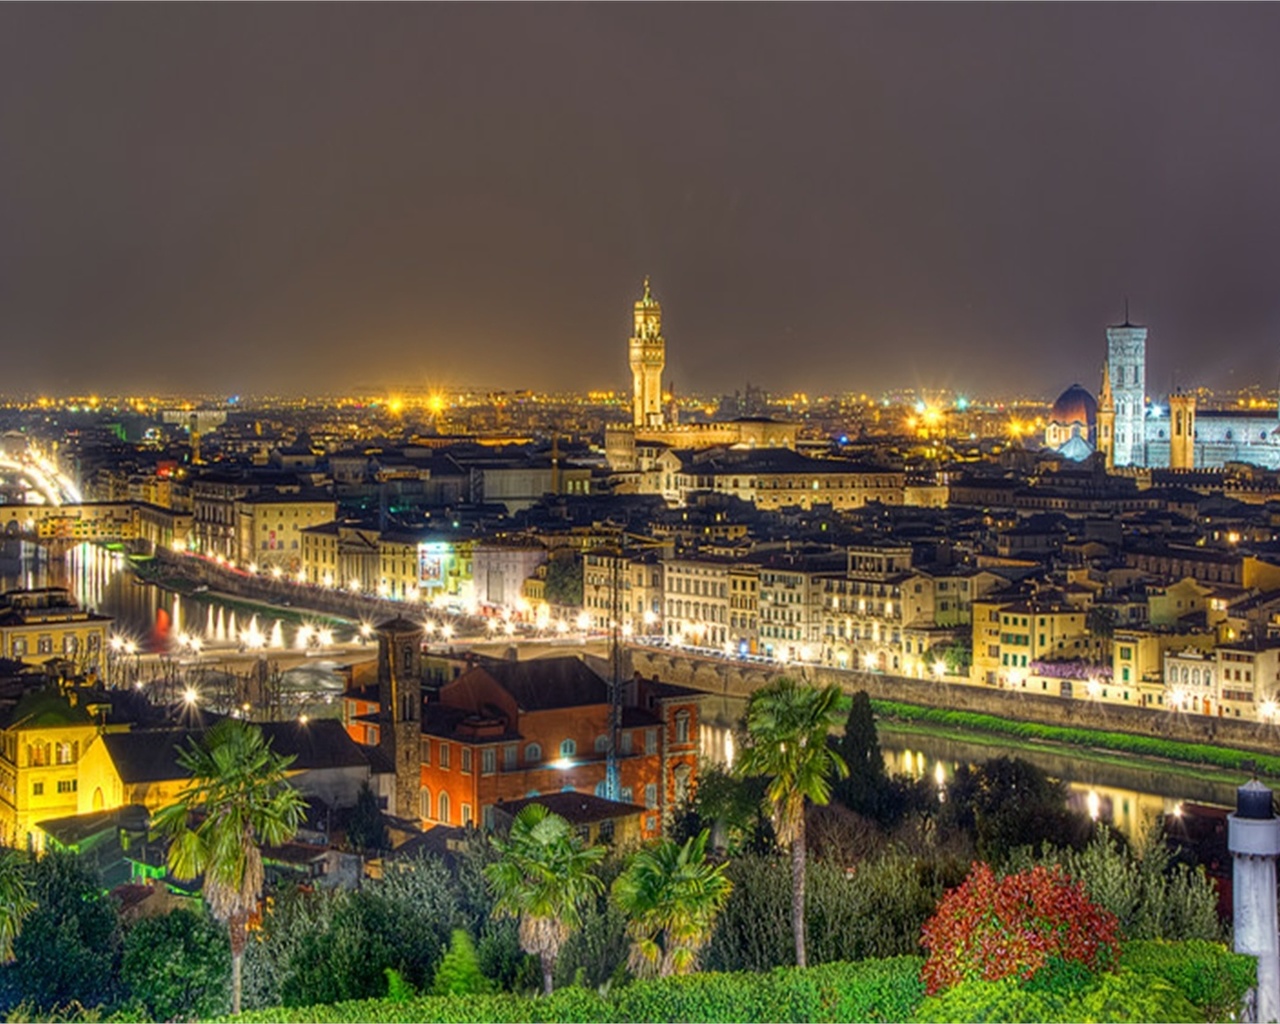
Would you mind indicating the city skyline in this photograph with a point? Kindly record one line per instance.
(826, 199)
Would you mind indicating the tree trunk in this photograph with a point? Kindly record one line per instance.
(237, 926)
(548, 972)
(797, 892)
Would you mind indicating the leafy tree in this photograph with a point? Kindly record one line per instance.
(732, 807)
(564, 582)
(237, 799)
(1007, 803)
(177, 965)
(990, 928)
(69, 943)
(366, 828)
(787, 728)
(542, 875)
(859, 747)
(672, 894)
(459, 972)
(15, 900)
(400, 922)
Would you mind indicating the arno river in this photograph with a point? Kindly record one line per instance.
(1129, 796)
(152, 619)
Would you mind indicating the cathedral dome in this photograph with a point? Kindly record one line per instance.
(1075, 405)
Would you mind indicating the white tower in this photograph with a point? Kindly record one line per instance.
(648, 357)
(1127, 362)
(1253, 837)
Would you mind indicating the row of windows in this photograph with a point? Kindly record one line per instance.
(64, 786)
(533, 753)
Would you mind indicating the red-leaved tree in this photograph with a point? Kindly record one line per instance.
(992, 928)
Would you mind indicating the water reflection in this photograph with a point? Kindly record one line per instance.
(1130, 797)
(1097, 791)
(180, 630)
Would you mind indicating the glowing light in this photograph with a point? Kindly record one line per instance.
(325, 637)
(366, 630)
(446, 631)
(869, 660)
(1093, 687)
(1094, 804)
(650, 618)
(190, 696)
(562, 627)
(276, 572)
(584, 621)
(939, 668)
(1267, 710)
(562, 763)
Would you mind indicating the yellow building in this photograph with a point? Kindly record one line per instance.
(38, 625)
(1009, 638)
(269, 526)
(42, 744)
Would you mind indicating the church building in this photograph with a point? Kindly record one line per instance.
(1131, 430)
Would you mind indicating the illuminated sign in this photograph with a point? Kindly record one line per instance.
(431, 564)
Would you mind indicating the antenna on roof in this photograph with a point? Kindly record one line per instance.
(1126, 312)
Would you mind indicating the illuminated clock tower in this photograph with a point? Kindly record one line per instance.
(648, 357)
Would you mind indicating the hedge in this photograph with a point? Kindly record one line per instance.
(1207, 973)
(1121, 742)
(870, 990)
(1156, 981)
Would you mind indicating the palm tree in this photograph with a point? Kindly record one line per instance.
(786, 741)
(672, 894)
(542, 875)
(238, 798)
(15, 900)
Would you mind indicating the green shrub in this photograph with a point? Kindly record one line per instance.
(1120, 997)
(1207, 973)
(178, 965)
(459, 972)
(874, 990)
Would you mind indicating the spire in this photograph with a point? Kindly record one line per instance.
(1126, 312)
(648, 296)
(1105, 398)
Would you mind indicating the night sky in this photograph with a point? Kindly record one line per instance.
(830, 197)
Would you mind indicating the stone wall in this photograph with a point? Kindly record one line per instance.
(739, 679)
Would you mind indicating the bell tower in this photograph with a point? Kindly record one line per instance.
(1107, 420)
(1182, 431)
(648, 352)
(1127, 362)
(400, 709)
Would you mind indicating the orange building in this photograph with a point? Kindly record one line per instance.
(506, 730)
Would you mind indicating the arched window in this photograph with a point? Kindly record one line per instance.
(424, 803)
(532, 753)
(444, 807)
(602, 743)
(568, 748)
(682, 727)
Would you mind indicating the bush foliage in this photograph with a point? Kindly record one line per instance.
(1157, 981)
(991, 928)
